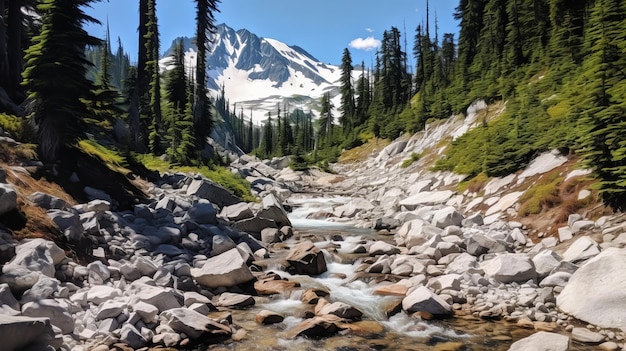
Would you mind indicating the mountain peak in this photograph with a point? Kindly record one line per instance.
(259, 73)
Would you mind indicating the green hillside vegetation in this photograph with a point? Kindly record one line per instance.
(559, 67)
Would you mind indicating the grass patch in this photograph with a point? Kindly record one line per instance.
(475, 184)
(221, 175)
(414, 157)
(110, 157)
(12, 125)
(361, 153)
(543, 195)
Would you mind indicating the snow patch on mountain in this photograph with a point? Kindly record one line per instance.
(257, 73)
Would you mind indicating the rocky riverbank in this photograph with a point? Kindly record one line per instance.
(185, 268)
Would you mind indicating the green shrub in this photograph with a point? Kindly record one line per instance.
(414, 157)
(12, 125)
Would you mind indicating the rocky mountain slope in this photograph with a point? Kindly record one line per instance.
(195, 265)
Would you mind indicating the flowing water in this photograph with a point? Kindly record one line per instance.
(378, 332)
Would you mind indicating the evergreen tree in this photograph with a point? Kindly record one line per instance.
(347, 107)
(326, 120)
(602, 102)
(55, 75)
(152, 71)
(205, 19)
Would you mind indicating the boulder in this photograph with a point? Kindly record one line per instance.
(203, 213)
(132, 337)
(582, 249)
(416, 232)
(545, 262)
(55, 310)
(426, 198)
(102, 293)
(273, 286)
(255, 225)
(446, 217)
(508, 268)
(479, 244)
(237, 212)
(225, 270)
(423, 299)
(47, 201)
(274, 210)
(161, 298)
(542, 341)
(587, 336)
(318, 327)
(269, 317)
(235, 300)
(7, 298)
(307, 259)
(22, 333)
(215, 193)
(68, 223)
(596, 292)
(37, 255)
(382, 248)
(8, 198)
(194, 324)
(339, 309)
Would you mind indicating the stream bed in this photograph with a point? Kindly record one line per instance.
(376, 330)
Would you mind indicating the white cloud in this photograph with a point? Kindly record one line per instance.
(367, 44)
(370, 30)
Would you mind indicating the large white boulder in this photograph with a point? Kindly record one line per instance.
(581, 249)
(54, 309)
(542, 341)
(596, 292)
(508, 268)
(225, 270)
(446, 217)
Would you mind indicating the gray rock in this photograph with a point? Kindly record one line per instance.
(270, 235)
(225, 270)
(221, 244)
(274, 210)
(48, 202)
(102, 293)
(507, 268)
(426, 198)
(213, 192)
(307, 259)
(25, 333)
(8, 198)
(237, 212)
(582, 249)
(55, 310)
(423, 299)
(473, 220)
(479, 244)
(110, 309)
(338, 309)
(45, 288)
(203, 213)
(556, 279)
(161, 298)
(68, 222)
(587, 336)
(596, 292)
(38, 255)
(145, 311)
(255, 225)
(542, 341)
(132, 337)
(235, 300)
(382, 248)
(446, 217)
(545, 262)
(194, 324)
(581, 225)
(7, 298)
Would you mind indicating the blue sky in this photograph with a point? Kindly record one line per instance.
(321, 27)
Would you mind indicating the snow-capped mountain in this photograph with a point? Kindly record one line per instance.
(259, 73)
